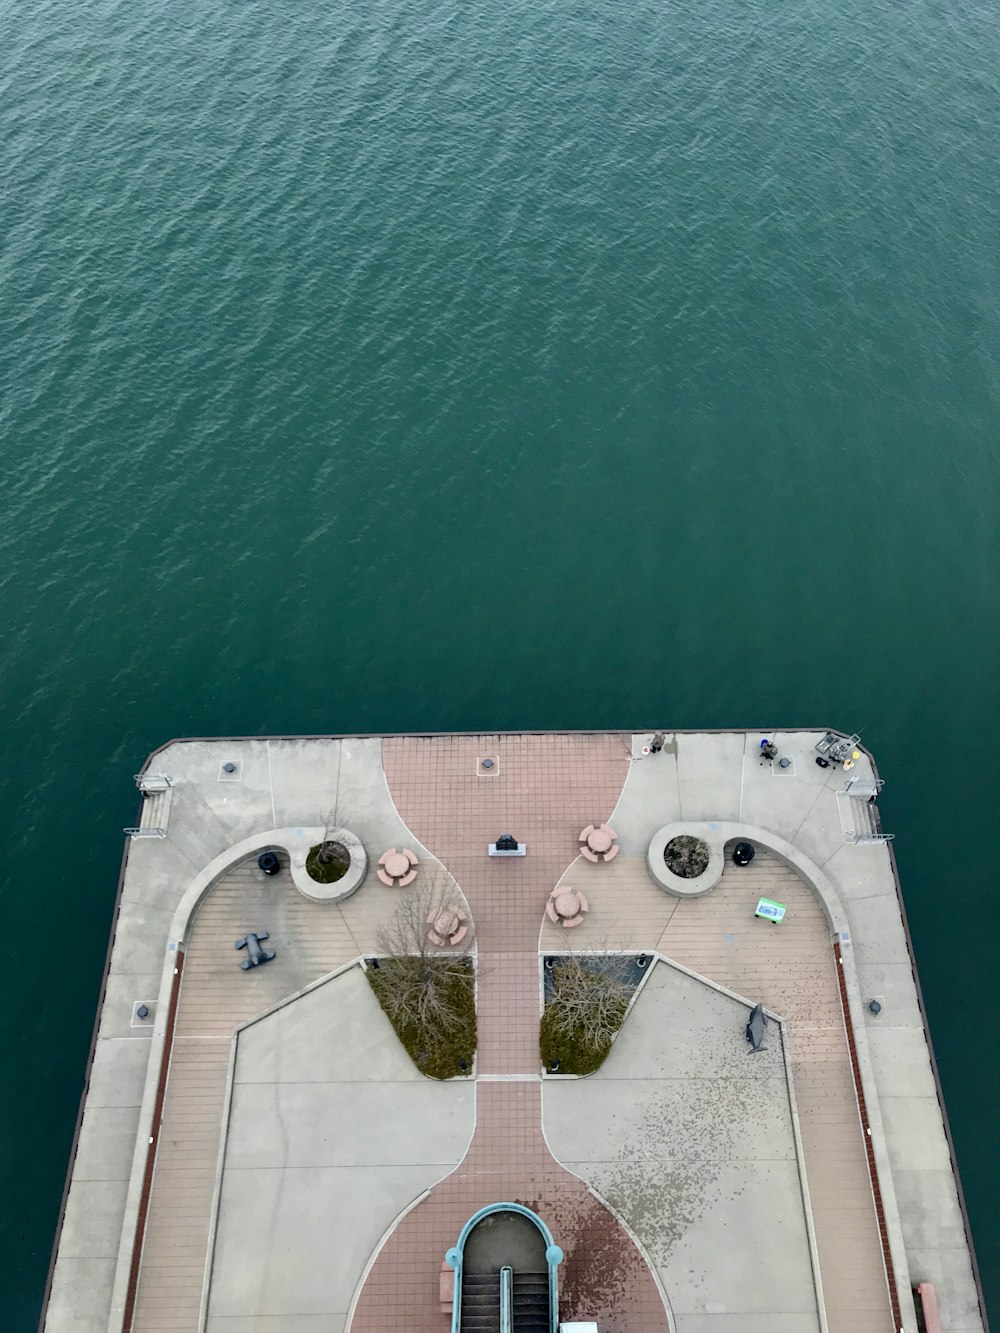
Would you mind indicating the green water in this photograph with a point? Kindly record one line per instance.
(411, 366)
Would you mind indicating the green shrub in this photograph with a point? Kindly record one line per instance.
(581, 1020)
(431, 1004)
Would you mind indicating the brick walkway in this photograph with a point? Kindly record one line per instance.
(543, 790)
(604, 1276)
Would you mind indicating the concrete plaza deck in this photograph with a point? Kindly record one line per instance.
(695, 1145)
(162, 1230)
(326, 1108)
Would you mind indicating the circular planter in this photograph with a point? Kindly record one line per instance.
(711, 835)
(342, 888)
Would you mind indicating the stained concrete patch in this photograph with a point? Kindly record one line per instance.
(954, 1287)
(94, 1226)
(297, 1241)
(690, 1138)
(288, 1124)
(709, 772)
(118, 1079)
(107, 1142)
(79, 1297)
(744, 1323)
(332, 1133)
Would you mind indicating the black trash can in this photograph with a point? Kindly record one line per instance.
(269, 863)
(743, 854)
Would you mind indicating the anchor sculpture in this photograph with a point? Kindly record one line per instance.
(255, 954)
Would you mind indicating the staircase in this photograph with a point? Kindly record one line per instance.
(157, 791)
(156, 809)
(481, 1303)
(531, 1303)
(859, 818)
(154, 817)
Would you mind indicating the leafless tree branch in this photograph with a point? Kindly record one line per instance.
(417, 977)
(590, 1001)
(331, 851)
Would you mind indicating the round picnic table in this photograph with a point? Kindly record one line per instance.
(567, 904)
(396, 865)
(599, 840)
(446, 922)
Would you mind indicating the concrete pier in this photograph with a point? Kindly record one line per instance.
(256, 1152)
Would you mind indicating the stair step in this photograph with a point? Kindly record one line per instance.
(481, 1302)
(155, 811)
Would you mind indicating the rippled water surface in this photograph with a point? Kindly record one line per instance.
(413, 365)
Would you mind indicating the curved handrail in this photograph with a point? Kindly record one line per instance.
(553, 1258)
(506, 1299)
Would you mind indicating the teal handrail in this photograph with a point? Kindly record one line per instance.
(506, 1299)
(553, 1258)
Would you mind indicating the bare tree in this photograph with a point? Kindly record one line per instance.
(330, 851)
(590, 998)
(418, 981)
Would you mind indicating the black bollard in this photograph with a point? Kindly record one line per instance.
(743, 854)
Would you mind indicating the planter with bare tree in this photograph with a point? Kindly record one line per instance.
(589, 999)
(427, 993)
(332, 868)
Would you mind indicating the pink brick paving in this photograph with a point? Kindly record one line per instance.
(604, 1276)
(547, 789)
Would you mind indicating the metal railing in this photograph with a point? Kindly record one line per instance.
(858, 818)
(134, 833)
(506, 1299)
(553, 1258)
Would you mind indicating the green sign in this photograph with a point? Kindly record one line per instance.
(772, 911)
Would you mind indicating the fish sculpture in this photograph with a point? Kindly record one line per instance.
(755, 1029)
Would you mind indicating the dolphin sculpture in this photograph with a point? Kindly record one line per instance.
(755, 1029)
(255, 954)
